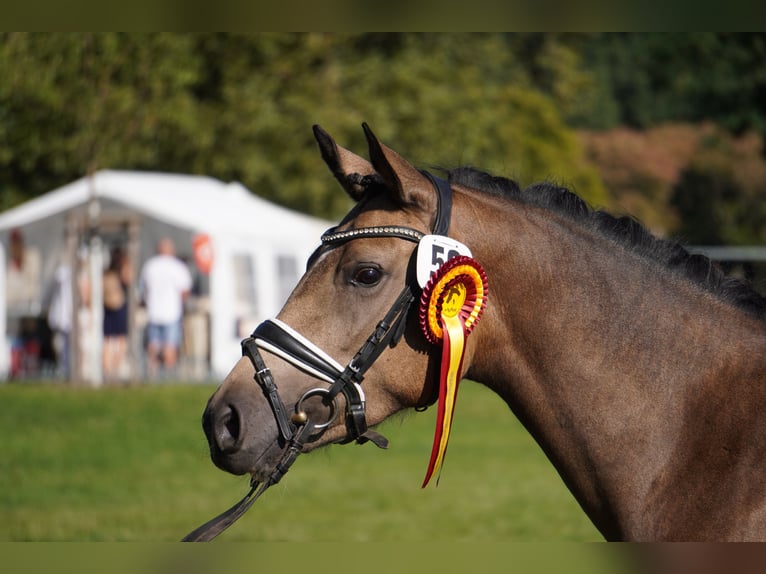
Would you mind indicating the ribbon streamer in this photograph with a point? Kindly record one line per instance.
(451, 303)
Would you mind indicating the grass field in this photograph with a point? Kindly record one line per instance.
(131, 464)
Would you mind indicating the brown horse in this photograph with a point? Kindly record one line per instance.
(639, 369)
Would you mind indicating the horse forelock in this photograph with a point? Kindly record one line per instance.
(624, 230)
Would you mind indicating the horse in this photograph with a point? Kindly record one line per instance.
(638, 367)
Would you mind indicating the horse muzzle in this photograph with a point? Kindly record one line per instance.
(246, 434)
(240, 433)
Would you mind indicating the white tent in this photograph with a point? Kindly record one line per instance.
(259, 248)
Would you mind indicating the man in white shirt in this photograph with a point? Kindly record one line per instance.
(165, 283)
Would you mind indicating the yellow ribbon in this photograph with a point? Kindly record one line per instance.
(452, 303)
(454, 347)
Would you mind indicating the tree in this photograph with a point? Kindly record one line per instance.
(658, 77)
(240, 107)
(74, 103)
(440, 99)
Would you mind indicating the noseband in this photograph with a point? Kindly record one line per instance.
(280, 339)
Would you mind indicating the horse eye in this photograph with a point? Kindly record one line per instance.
(367, 276)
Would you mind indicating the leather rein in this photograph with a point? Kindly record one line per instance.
(278, 338)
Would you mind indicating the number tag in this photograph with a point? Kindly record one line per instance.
(433, 251)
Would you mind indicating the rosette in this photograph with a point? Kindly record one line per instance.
(450, 306)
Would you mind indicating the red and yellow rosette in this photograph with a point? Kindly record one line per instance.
(450, 305)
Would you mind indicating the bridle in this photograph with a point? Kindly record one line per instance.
(280, 339)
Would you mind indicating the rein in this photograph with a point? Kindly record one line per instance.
(278, 338)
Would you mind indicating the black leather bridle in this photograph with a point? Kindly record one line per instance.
(280, 339)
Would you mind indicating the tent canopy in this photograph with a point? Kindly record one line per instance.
(200, 203)
(259, 248)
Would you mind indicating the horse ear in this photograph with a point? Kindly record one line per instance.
(410, 186)
(347, 167)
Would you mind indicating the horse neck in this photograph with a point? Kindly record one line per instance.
(598, 352)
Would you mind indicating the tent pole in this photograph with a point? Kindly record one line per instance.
(134, 337)
(96, 276)
(70, 257)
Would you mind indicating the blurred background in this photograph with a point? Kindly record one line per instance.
(169, 134)
(624, 117)
(112, 141)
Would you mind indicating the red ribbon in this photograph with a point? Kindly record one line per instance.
(450, 305)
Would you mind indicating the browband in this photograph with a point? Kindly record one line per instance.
(441, 224)
(332, 237)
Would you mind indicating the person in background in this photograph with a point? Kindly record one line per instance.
(116, 284)
(23, 302)
(60, 313)
(164, 284)
(22, 275)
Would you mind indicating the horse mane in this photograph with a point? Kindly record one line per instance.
(624, 230)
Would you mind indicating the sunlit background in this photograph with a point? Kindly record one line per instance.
(115, 140)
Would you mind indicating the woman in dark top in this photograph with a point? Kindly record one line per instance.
(116, 283)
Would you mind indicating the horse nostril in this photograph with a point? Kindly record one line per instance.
(227, 430)
(232, 425)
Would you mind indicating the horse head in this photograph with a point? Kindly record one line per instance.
(352, 317)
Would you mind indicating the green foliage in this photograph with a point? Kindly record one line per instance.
(241, 106)
(438, 99)
(561, 67)
(131, 464)
(660, 77)
(73, 103)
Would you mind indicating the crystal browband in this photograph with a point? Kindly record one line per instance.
(332, 237)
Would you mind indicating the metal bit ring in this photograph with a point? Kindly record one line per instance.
(301, 417)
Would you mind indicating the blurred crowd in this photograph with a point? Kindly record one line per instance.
(69, 335)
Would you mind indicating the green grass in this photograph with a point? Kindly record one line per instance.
(131, 464)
